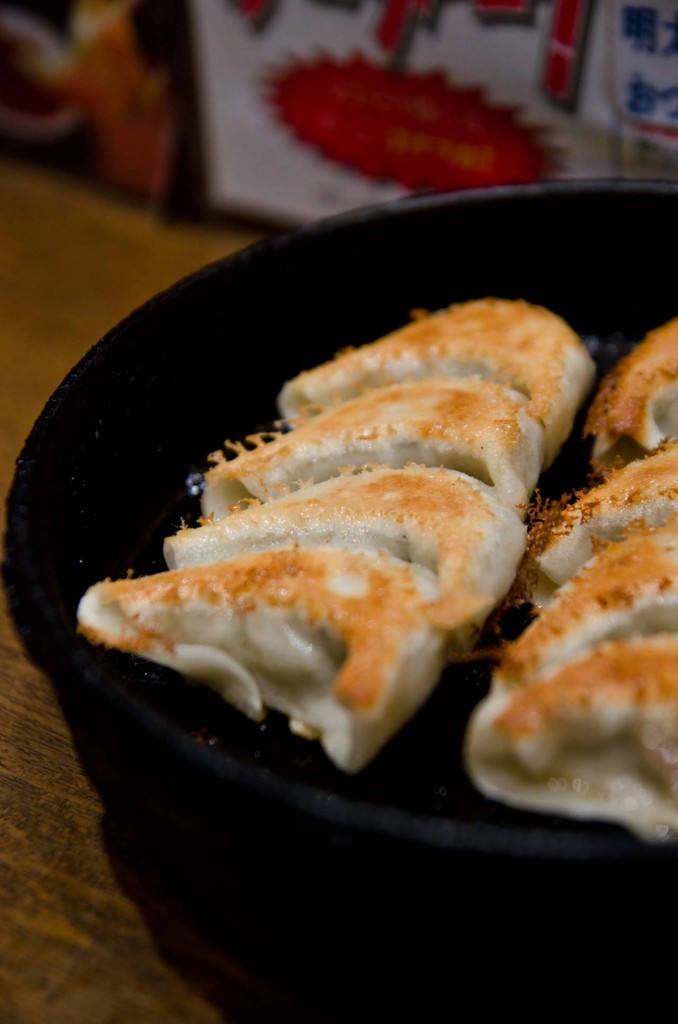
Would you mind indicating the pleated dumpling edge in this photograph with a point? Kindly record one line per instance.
(338, 641)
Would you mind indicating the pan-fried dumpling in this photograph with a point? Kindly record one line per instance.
(338, 641)
(597, 739)
(434, 517)
(636, 405)
(630, 587)
(469, 424)
(509, 341)
(582, 713)
(643, 491)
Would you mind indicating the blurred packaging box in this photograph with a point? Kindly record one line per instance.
(286, 111)
(306, 108)
(87, 86)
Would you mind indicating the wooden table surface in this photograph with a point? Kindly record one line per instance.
(74, 946)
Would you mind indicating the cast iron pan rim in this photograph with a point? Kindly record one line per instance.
(47, 636)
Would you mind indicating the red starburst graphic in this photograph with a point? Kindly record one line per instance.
(414, 129)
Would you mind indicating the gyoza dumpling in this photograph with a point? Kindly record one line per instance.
(510, 341)
(645, 490)
(597, 739)
(628, 588)
(636, 405)
(337, 640)
(469, 424)
(434, 517)
(582, 713)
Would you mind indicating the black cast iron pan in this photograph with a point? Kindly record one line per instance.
(270, 844)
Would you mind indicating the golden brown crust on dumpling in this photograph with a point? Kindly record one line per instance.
(430, 516)
(641, 568)
(616, 673)
(595, 739)
(643, 491)
(621, 407)
(626, 487)
(371, 603)
(524, 345)
(476, 425)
